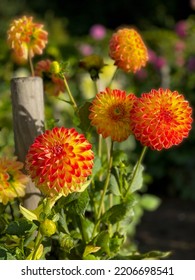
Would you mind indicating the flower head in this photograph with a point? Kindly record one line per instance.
(98, 31)
(53, 84)
(161, 119)
(12, 180)
(59, 161)
(128, 50)
(93, 64)
(110, 113)
(181, 28)
(26, 37)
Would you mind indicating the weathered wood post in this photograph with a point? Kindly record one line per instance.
(28, 122)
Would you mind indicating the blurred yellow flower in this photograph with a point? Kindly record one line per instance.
(12, 180)
(26, 38)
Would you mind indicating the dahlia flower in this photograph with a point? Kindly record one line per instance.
(161, 119)
(12, 180)
(53, 84)
(26, 37)
(128, 50)
(110, 113)
(59, 161)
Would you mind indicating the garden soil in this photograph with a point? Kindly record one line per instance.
(170, 228)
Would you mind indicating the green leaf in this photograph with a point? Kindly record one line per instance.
(102, 241)
(5, 254)
(136, 178)
(84, 116)
(90, 249)
(125, 223)
(28, 214)
(20, 227)
(115, 214)
(66, 242)
(97, 166)
(79, 206)
(114, 187)
(65, 200)
(116, 242)
(150, 202)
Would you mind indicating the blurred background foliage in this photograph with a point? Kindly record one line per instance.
(168, 28)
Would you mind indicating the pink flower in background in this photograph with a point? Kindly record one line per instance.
(152, 56)
(180, 46)
(85, 49)
(141, 74)
(160, 62)
(181, 28)
(179, 52)
(191, 64)
(98, 31)
(157, 61)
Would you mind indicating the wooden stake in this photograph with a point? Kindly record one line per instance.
(28, 123)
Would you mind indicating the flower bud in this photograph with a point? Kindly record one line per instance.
(55, 67)
(48, 227)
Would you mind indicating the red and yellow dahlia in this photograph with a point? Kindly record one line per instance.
(52, 83)
(12, 180)
(26, 37)
(161, 119)
(110, 113)
(59, 161)
(128, 50)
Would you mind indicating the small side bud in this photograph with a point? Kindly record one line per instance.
(47, 227)
(55, 67)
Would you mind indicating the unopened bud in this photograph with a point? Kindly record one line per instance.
(47, 227)
(55, 67)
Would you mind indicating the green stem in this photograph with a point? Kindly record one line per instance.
(70, 94)
(82, 228)
(104, 190)
(136, 169)
(113, 77)
(31, 66)
(95, 87)
(100, 146)
(38, 241)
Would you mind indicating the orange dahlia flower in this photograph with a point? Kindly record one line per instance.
(52, 83)
(59, 161)
(161, 119)
(110, 113)
(26, 37)
(12, 180)
(128, 50)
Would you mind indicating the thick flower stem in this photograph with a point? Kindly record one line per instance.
(38, 241)
(70, 94)
(31, 66)
(136, 169)
(104, 189)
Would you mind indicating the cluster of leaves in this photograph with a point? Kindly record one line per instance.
(76, 219)
(76, 216)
